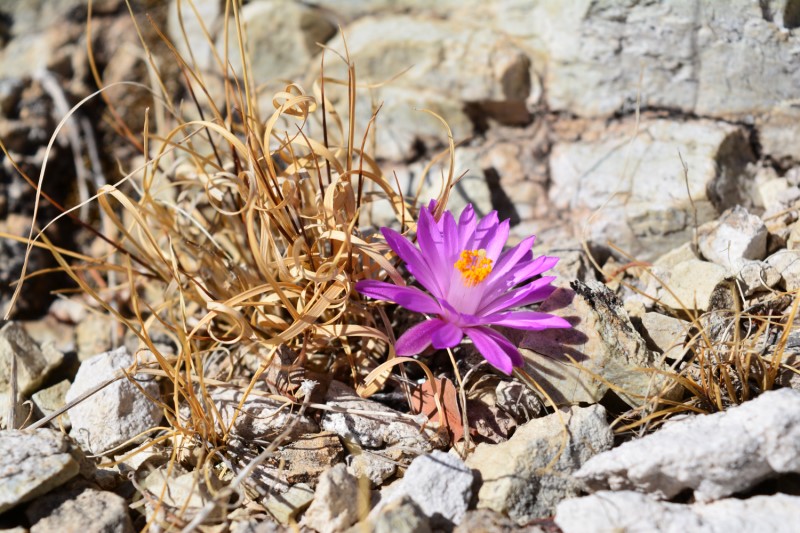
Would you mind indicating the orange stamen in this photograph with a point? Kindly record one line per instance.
(474, 266)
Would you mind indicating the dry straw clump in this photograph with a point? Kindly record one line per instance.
(238, 239)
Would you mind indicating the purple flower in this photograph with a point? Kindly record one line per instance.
(472, 285)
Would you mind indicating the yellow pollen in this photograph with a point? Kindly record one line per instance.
(474, 266)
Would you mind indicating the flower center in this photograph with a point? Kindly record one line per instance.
(474, 266)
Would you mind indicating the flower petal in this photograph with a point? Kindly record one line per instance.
(508, 260)
(466, 227)
(451, 249)
(494, 241)
(447, 336)
(495, 348)
(409, 297)
(418, 337)
(415, 262)
(528, 320)
(535, 291)
(525, 271)
(431, 245)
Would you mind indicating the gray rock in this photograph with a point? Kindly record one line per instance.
(757, 276)
(633, 511)
(377, 467)
(667, 333)
(518, 477)
(401, 515)
(441, 485)
(286, 506)
(518, 400)
(603, 342)
(118, 412)
(281, 39)
(787, 263)
(614, 179)
(736, 237)
(761, 438)
(34, 462)
(488, 521)
(33, 364)
(696, 285)
(78, 510)
(259, 417)
(374, 428)
(50, 400)
(336, 502)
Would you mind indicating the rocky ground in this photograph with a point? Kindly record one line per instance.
(652, 146)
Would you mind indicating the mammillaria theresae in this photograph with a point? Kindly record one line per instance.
(472, 285)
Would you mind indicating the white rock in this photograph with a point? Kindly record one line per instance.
(372, 430)
(666, 332)
(697, 285)
(286, 506)
(33, 363)
(603, 342)
(757, 276)
(81, 509)
(633, 511)
(34, 462)
(787, 263)
(760, 438)
(609, 185)
(259, 417)
(51, 399)
(514, 480)
(335, 505)
(736, 237)
(118, 412)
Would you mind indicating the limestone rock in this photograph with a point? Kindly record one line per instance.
(286, 506)
(697, 285)
(615, 179)
(335, 505)
(761, 438)
(51, 399)
(515, 481)
(757, 276)
(787, 263)
(603, 342)
(33, 363)
(402, 515)
(488, 521)
(34, 462)
(372, 430)
(116, 413)
(736, 237)
(667, 333)
(377, 467)
(634, 511)
(259, 417)
(78, 510)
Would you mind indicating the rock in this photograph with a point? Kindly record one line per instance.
(282, 39)
(700, 56)
(516, 478)
(441, 485)
(615, 178)
(78, 510)
(787, 263)
(633, 511)
(778, 132)
(33, 364)
(118, 412)
(259, 417)
(377, 467)
(380, 427)
(757, 276)
(50, 400)
(666, 333)
(255, 526)
(303, 460)
(736, 237)
(431, 54)
(399, 516)
(185, 493)
(603, 342)
(194, 45)
(336, 502)
(518, 400)
(34, 463)
(684, 252)
(286, 506)
(761, 438)
(488, 521)
(696, 285)
(94, 335)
